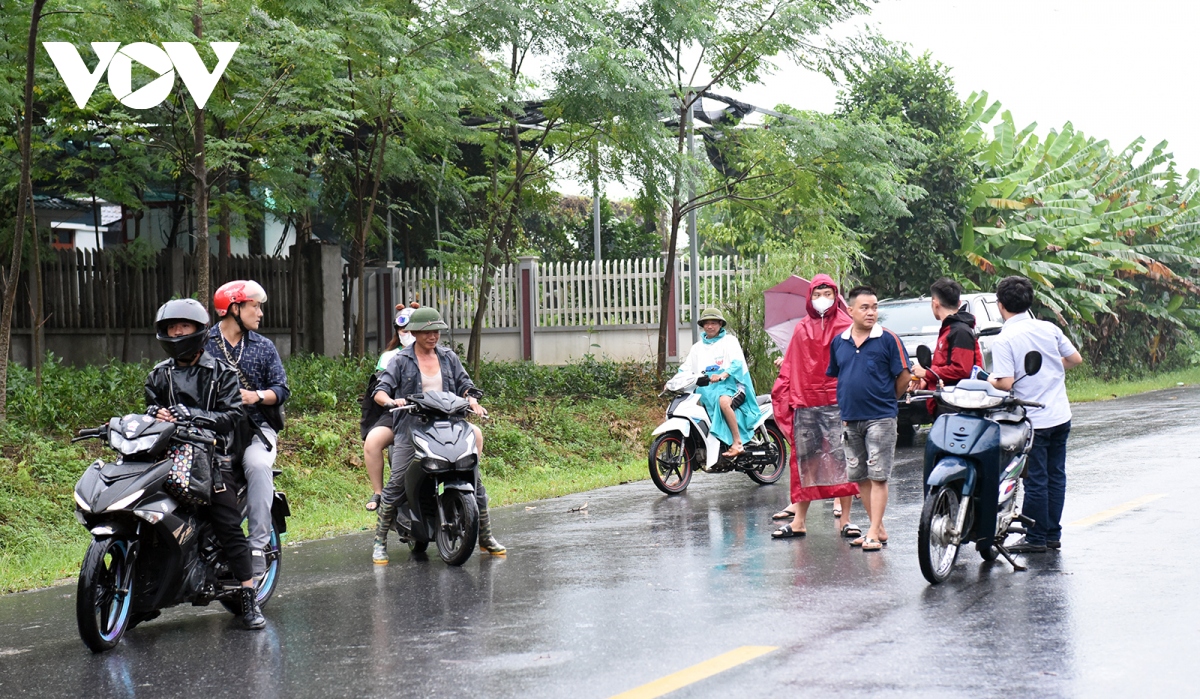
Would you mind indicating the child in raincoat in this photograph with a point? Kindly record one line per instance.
(719, 355)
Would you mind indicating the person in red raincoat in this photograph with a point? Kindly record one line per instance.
(805, 404)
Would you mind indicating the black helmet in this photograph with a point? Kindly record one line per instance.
(176, 310)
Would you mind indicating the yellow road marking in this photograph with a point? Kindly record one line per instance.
(1114, 511)
(695, 673)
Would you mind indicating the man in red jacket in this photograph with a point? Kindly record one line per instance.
(957, 349)
(805, 404)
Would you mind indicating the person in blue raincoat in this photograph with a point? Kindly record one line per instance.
(719, 355)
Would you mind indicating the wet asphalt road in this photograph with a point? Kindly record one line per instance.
(639, 586)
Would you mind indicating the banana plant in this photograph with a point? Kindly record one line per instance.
(1107, 236)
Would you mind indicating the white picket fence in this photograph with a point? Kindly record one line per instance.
(578, 294)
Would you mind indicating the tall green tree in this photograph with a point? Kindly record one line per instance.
(697, 46)
(917, 97)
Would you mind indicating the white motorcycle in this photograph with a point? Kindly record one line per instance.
(684, 442)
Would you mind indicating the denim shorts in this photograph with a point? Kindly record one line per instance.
(870, 448)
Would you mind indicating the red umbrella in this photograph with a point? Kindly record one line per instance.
(784, 305)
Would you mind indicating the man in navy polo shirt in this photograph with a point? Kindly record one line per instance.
(871, 367)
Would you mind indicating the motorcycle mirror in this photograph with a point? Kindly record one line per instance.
(988, 332)
(703, 380)
(925, 356)
(1033, 363)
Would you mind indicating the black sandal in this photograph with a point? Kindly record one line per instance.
(373, 504)
(786, 532)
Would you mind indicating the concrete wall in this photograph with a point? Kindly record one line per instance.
(557, 346)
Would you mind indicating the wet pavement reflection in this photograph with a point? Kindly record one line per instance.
(637, 585)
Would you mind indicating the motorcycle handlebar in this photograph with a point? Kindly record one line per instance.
(93, 433)
(1027, 403)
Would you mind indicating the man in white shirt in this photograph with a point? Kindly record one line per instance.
(1046, 475)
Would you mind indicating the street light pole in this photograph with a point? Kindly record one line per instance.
(693, 247)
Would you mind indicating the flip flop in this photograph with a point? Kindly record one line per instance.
(851, 531)
(373, 504)
(786, 532)
(872, 545)
(837, 511)
(782, 514)
(859, 541)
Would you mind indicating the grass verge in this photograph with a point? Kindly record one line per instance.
(1085, 388)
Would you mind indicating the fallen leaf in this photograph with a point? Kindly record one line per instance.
(530, 508)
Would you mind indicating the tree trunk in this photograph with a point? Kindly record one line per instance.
(36, 336)
(200, 173)
(25, 193)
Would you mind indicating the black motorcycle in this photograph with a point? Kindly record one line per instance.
(439, 487)
(148, 550)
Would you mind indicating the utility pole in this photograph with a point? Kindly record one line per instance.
(693, 247)
(596, 200)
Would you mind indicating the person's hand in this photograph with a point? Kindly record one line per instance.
(779, 361)
(477, 408)
(396, 403)
(164, 415)
(918, 371)
(249, 397)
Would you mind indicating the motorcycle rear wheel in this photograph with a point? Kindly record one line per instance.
(935, 552)
(766, 477)
(670, 466)
(105, 594)
(456, 537)
(273, 552)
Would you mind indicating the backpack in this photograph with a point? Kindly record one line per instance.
(371, 411)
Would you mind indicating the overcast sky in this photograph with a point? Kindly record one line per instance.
(1116, 69)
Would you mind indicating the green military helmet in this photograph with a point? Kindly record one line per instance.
(425, 319)
(711, 314)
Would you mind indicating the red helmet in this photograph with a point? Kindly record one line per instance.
(237, 291)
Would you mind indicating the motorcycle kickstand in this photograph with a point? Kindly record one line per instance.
(1017, 567)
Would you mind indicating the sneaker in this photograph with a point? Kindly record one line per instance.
(252, 616)
(1023, 546)
(1056, 544)
(379, 554)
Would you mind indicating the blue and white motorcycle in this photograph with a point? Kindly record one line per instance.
(974, 458)
(684, 442)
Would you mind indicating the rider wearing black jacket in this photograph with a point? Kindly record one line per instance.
(194, 386)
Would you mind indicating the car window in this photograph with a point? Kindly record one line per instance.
(909, 318)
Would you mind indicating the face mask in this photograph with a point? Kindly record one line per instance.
(407, 339)
(822, 304)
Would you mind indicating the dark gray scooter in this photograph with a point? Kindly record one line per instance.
(148, 551)
(974, 458)
(439, 487)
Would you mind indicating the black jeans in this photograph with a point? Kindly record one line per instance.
(226, 518)
(1046, 483)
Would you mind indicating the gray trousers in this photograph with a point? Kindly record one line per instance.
(257, 462)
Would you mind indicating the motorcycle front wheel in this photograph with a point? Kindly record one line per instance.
(457, 535)
(105, 594)
(935, 549)
(670, 467)
(771, 474)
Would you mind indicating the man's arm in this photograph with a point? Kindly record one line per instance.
(902, 382)
(1072, 361)
(1004, 384)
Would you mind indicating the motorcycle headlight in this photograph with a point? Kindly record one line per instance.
(127, 500)
(131, 446)
(423, 451)
(82, 503)
(969, 399)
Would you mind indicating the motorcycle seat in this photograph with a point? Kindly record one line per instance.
(764, 399)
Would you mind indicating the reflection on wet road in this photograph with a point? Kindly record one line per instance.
(640, 587)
